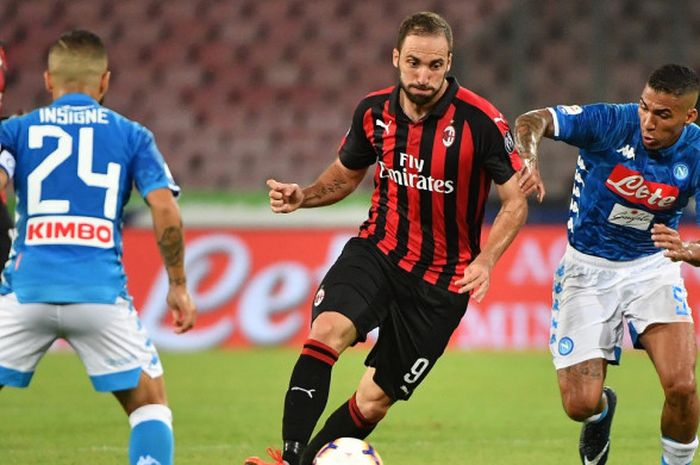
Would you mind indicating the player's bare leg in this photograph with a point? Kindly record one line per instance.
(149, 391)
(585, 399)
(672, 349)
(150, 420)
(581, 388)
(334, 330)
(372, 401)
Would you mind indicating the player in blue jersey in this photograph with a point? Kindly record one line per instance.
(73, 165)
(638, 166)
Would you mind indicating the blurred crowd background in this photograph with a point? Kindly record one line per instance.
(237, 91)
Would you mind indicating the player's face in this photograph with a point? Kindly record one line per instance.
(423, 63)
(663, 116)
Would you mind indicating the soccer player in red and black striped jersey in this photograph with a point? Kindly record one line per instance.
(417, 259)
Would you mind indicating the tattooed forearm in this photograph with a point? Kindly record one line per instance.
(529, 130)
(320, 193)
(172, 246)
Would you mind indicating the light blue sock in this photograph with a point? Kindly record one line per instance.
(151, 441)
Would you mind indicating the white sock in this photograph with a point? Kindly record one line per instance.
(675, 453)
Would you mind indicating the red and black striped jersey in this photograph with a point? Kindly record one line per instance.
(432, 177)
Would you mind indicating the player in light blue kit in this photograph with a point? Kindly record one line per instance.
(73, 165)
(638, 166)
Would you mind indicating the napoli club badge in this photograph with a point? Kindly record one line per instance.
(319, 297)
(448, 135)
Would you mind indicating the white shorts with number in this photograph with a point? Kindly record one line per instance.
(592, 295)
(109, 339)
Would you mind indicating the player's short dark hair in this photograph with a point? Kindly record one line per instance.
(675, 80)
(79, 41)
(424, 23)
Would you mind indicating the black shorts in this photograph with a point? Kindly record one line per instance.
(415, 318)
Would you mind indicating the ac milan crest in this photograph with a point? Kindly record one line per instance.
(448, 135)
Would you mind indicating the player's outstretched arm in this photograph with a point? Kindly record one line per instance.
(510, 219)
(675, 247)
(167, 225)
(529, 130)
(334, 184)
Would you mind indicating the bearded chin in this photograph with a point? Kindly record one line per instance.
(420, 99)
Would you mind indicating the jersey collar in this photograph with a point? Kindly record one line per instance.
(74, 100)
(440, 107)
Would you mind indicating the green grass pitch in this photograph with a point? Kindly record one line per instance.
(474, 408)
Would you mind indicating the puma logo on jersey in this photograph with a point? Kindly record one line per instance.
(627, 151)
(309, 392)
(384, 125)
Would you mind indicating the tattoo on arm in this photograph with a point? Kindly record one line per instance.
(172, 246)
(530, 128)
(322, 191)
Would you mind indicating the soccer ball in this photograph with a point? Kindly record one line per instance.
(347, 451)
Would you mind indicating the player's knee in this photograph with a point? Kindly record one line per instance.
(578, 408)
(334, 330)
(680, 391)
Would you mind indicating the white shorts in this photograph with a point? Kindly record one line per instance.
(592, 295)
(109, 339)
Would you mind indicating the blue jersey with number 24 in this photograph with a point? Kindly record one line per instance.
(620, 188)
(73, 165)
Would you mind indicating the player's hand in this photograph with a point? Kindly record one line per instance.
(476, 280)
(284, 198)
(530, 179)
(184, 312)
(669, 239)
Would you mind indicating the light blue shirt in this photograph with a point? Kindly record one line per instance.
(73, 165)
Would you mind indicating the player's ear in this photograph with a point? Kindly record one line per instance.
(48, 84)
(449, 61)
(395, 58)
(692, 116)
(104, 83)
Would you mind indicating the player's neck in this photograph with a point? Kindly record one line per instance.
(415, 112)
(58, 92)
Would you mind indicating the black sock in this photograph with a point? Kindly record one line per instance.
(347, 421)
(306, 397)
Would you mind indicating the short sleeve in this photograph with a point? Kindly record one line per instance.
(150, 171)
(501, 158)
(593, 127)
(356, 151)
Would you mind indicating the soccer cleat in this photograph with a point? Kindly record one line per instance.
(594, 443)
(274, 453)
